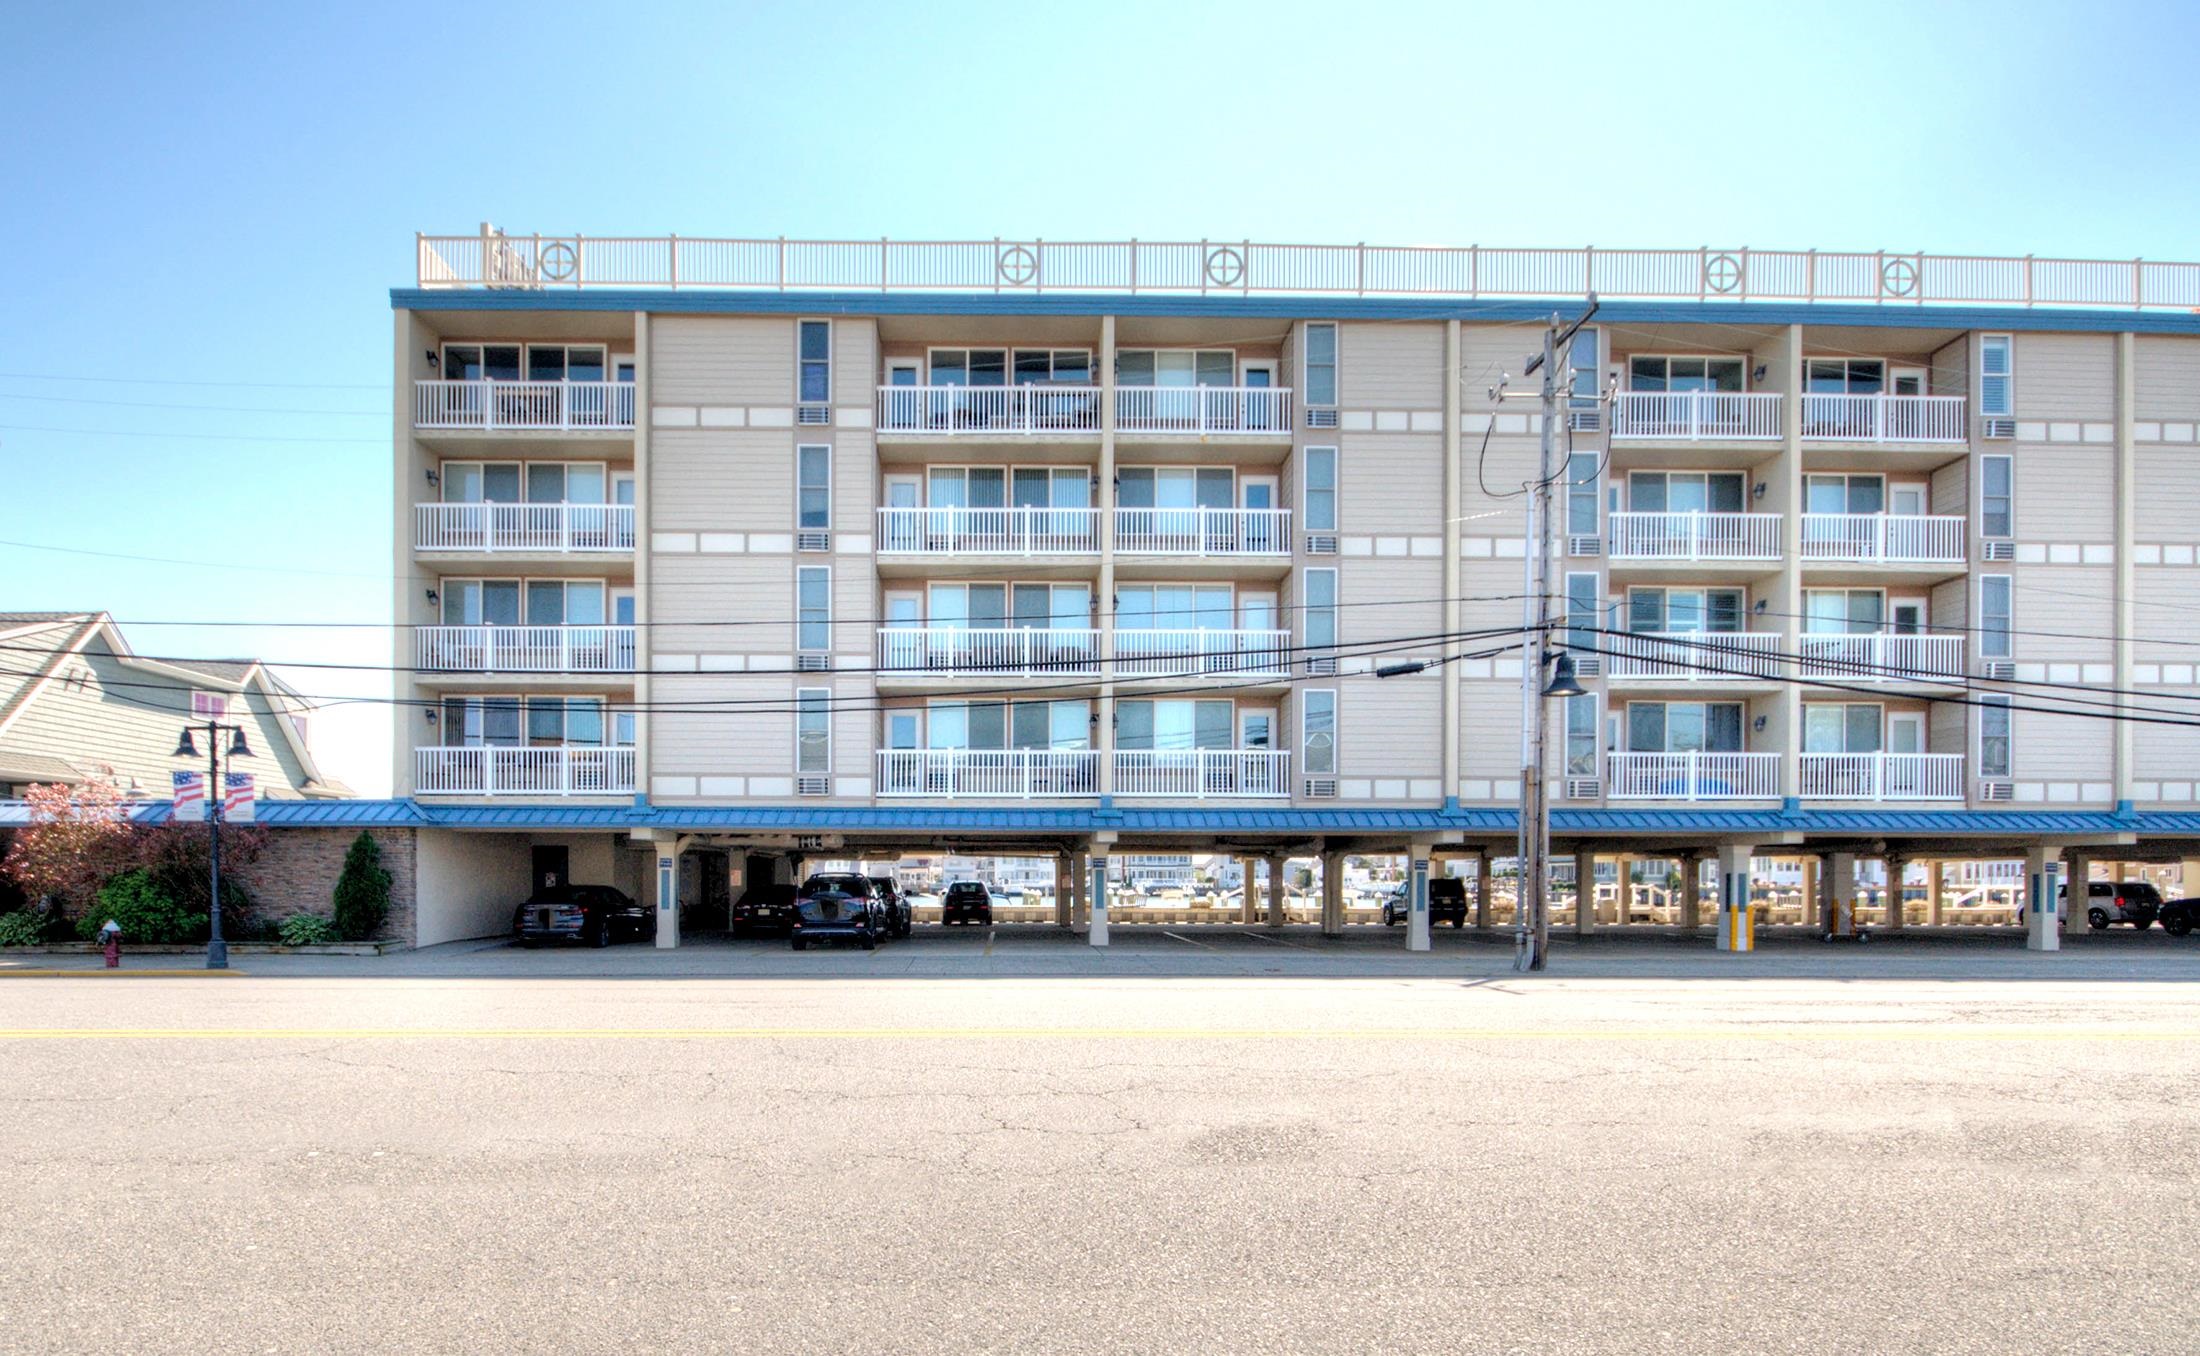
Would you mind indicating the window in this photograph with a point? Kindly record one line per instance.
(1996, 375)
(1060, 726)
(814, 602)
(541, 722)
(1684, 727)
(623, 724)
(1854, 612)
(1321, 364)
(481, 362)
(212, 705)
(1684, 610)
(1686, 491)
(1581, 735)
(1581, 494)
(1993, 737)
(1319, 732)
(1995, 610)
(1841, 727)
(1069, 366)
(1173, 725)
(1997, 495)
(969, 367)
(814, 486)
(1321, 614)
(813, 735)
(1175, 607)
(1176, 487)
(1177, 367)
(1321, 489)
(816, 349)
(1844, 494)
(1581, 359)
(1658, 374)
(1581, 613)
(1844, 376)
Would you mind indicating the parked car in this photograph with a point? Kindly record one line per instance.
(596, 915)
(837, 906)
(967, 901)
(888, 893)
(763, 908)
(1447, 899)
(2179, 916)
(2118, 901)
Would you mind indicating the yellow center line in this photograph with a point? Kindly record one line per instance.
(1631, 1035)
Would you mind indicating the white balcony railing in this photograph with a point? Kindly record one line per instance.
(1695, 536)
(1695, 416)
(989, 531)
(1893, 538)
(1882, 657)
(504, 770)
(1199, 773)
(1693, 655)
(1881, 776)
(1008, 773)
(1204, 409)
(1203, 531)
(950, 410)
(1883, 418)
(1695, 776)
(1163, 654)
(559, 528)
(488, 404)
(525, 649)
(981, 652)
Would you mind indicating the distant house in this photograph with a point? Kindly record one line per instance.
(76, 704)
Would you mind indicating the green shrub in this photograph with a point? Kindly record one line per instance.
(362, 897)
(22, 929)
(307, 929)
(148, 912)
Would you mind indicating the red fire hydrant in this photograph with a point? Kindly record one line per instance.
(111, 935)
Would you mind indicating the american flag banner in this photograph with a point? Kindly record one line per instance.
(190, 797)
(237, 798)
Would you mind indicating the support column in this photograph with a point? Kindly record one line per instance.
(1417, 938)
(1104, 600)
(2040, 873)
(1453, 528)
(1623, 893)
(1897, 868)
(1839, 888)
(1078, 886)
(1065, 870)
(668, 895)
(1737, 925)
(1332, 894)
(1482, 911)
(1277, 903)
(1691, 901)
(1936, 875)
(1248, 907)
(1811, 892)
(1097, 933)
(1585, 891)
(2075, 901)
(2188, 879)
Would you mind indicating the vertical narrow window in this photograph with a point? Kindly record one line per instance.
(813, 731)
(1997, 496)
(1581, 735)
(1581, 613)
(815, 339)
(1993, 737)
(1321, 489)
(1319, 734)
(1994, 615)
(814, 486)
(1581, 494)
(1321, 617)
(1996, 373)
(1581, 359)
(814, 624)
(1321, 364)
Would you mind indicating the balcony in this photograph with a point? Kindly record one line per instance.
(1695, 776)
(1200, 773)
(986, 652)
(1203, 531)
(1883, 539)
(525, 649)
(512, 770)
(1172, 654)
(1881, 776)
(1882, 657)
(1695, 536)
(977, 411)
(1883, 418)
(1696, 416)
(546, 406)
(1017, 774)
(550, 529)
(1693, 656)
(1204, 411)
(989, 531)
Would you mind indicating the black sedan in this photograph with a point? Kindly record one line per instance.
(763, 908)
(2179, 916)
(838, 906)
(595, 915)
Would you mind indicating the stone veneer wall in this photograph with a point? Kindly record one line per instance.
(297, 874)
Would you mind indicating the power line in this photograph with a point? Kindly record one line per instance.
(231, 385)
(195, 437)
(211, 409)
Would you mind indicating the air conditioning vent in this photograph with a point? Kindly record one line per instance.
(1321, 418)
(813, 663)
(1585, 421)
(1323, 545)
(1583, 788)
(1321, 788)
(1998, 428)
(1324, 667)
(813, 541)
(1997, 791)
(1999, 550)
(813, 414)
(1588, 665)
(813, 786)
(1585, 546)
(2001, 670)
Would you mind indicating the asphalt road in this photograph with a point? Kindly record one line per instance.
(377, 1162)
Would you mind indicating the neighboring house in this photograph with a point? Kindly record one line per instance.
(75, 704)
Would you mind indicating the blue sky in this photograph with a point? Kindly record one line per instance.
(207, 204)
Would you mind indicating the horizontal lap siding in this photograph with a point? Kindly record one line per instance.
(1951, 489)
(2065, 376)
(2073, 602)
(721, 360)
(2055, 748)
(2168, 753)
(1951, 369)
(855, 362)
(1390, 727)
(1947, 729)
(1489, 728)
(1385, 601)
(2066, 493)
(689, 738)
(2167, 507)
(1390, 367)
(855, 483)
(2168, 599)
(2166, 378)
(1391, 484)
(722, 480)
(691, 597)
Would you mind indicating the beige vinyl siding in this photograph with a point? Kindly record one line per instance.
(855, 361)
(1489, 729)
(2168, 753)
(1950, 369)
(726, 480)
(1390, 367)
(1948, 730)
(721, 360)
(690, 595)
(687, 741)
(2167, 507)
(2073, 599)
(2065, 376)
(855, 484)
(1385, 727)
(1945, 609)
(2058, 748)
(2065, 493)
(1391, 484)
(1390, 598)
(1951, 489)
(855, 607)
(2168, 598)
(2166, 377)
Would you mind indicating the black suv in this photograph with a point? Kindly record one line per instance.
(889, 894)
(1447, 899)
(966, 901)
(2179, 915)
(837, 905)
(595, 915)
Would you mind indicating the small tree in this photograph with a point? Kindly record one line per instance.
(362, 891)
(76, 839)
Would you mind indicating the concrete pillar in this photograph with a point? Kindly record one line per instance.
(1332, 894)
(1097, 933)
(1897, 868)
(2188, 878)
(1417, 938)
(1838, 886)
(2077, 871)
(1691, 901)
(1624, 894)
(1812, 892)
(1065, 870)
(1079, 886)
(1585, 891)
(2040, 872)
(1247, 907)
(1482, 889)
(1737, 926)
(668, 895)
(1277, 903)
(1936, 875)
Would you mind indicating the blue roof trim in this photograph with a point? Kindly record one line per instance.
(730, 302)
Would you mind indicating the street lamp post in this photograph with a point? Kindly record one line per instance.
(217, 949)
